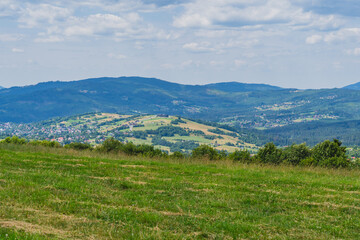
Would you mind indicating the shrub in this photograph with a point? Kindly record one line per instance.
(335, 162)
(79, 146)
(308, 162)
(328, 153)
(269, 154)
(178, 155)
(45, 143)
(113, 145)
(110, 145)
(14, 140)
(129, 148)
(145, 150)
(240, 156)
(205, 151)
(296, 153)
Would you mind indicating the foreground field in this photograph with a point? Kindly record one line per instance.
(62, 194)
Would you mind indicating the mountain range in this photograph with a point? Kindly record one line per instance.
(283, 115)
(223, 102)
(124, 94)
(355, 86)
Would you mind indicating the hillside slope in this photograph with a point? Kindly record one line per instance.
(168, 133)
(125, 94)
(355, 86)
(254, 106)
(69, 195)
(240, 105)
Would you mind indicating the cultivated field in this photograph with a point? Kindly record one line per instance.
(64, 194)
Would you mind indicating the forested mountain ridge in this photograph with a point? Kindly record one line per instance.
(125, 94)
(243, 105)
(355, 86)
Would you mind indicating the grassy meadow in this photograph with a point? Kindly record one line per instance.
(64, 194)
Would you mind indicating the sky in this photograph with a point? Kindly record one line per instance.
(295, 44)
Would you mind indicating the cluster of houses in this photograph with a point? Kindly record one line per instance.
(60, 133)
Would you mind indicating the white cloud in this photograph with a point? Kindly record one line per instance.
(216, 63)
(343, 34)
(239, 63)
(8, 7)
(198, 47)
(354, 52)
(116, 56)
(187, 63)
(101, 24)
(49, 39)
(167, 66)
(235, 13)
(314, 39)
(34, 14)
(10, 37)
(17, 50)
(118, 6)
(66, 20)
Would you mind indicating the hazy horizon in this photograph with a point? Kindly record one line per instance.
(170, 82)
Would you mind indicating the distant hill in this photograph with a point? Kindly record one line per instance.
(314, 132)
(241, 87)
(241, 105)
(165, 132)
(355, 86)
(124, 94)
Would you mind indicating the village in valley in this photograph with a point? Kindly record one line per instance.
(168, 133)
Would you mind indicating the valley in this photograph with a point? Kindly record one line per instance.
(168, 133)
(256, 113)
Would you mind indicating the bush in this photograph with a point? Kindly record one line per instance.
(330, 154)
(113, 145)
(177, 121)
(178, 155)
(79, 146)
(45, 143)
(110, 145)
(335, 162)
(240, 156)
(14, 140)
(269, 154)
(308, 162)
(296, 153)
(205, 151)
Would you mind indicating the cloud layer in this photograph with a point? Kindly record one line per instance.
(183, 40)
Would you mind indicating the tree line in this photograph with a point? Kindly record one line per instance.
(330, 154)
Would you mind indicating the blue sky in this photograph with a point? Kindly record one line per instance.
(298, 43)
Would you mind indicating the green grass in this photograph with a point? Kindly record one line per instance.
(64, 194)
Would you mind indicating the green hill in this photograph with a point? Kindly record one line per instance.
(64, 194)
(165, 132)
(126, 94)
(248, 105)
(355, 86)
(283, 116)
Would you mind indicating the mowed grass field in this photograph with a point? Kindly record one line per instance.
(64, 194)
